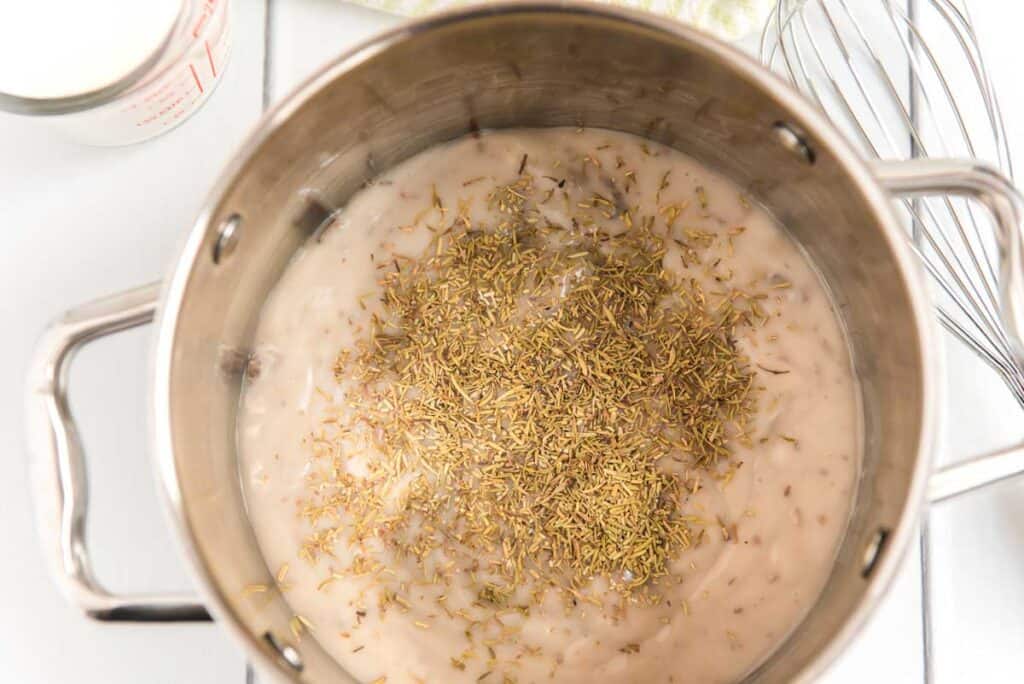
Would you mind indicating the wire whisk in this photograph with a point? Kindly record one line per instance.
(905, 81)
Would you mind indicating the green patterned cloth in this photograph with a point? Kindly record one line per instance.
(729, 19)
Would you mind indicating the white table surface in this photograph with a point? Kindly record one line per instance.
(83, 222)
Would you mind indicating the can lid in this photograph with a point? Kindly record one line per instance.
(65, 49)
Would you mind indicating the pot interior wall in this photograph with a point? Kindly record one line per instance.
(530, 66)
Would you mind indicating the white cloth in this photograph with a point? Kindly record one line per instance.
(729, 19)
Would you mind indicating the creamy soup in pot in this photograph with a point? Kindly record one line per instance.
(549, 405)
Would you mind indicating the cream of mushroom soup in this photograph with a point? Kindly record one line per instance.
(549, 405)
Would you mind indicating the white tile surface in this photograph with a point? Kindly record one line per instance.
(83, 222)
(978, 542)
(306, 34)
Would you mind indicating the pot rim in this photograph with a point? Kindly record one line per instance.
(816, 125)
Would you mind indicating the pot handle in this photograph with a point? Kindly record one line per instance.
(58, 462)
(978, 181)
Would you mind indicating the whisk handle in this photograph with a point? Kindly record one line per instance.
(974, 180)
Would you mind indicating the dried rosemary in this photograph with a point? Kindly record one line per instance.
(532, 395)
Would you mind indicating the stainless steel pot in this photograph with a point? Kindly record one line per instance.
(494, 67)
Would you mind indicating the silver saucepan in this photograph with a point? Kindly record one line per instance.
(498, 66)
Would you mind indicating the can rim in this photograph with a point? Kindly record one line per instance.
(68, 104)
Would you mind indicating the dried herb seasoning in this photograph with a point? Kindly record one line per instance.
(532, 394)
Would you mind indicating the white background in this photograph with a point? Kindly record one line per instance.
(83, 222)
